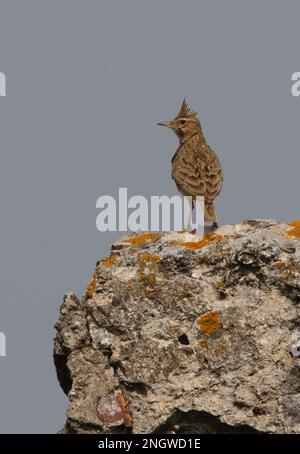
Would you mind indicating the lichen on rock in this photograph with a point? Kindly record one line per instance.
(176, 338)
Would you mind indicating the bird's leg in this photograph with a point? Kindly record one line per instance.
(211, 228)
(189, 222)
(200, 230)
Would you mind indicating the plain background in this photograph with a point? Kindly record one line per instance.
(87, 81)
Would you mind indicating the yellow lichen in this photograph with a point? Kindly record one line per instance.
(91, 287)
(137, 240)
(109, 261)
(295, 232)
(200, 244)
(210, 323)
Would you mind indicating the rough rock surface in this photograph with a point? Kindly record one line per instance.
(182, 336)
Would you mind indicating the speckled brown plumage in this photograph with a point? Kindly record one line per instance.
(196, 168)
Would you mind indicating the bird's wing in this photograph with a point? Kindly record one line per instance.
(189, 174)
(213, 176)
(198, 173)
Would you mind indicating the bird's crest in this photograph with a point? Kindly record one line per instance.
(185, 111)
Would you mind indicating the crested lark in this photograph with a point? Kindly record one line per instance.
(196, 168)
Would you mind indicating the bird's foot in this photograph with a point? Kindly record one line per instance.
(209, 229)
(199, 233)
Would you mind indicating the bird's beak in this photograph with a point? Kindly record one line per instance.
(168, 124)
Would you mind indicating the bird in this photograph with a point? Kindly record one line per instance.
(196, 168)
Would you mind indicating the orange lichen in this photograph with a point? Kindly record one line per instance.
(127, 417)
(202, 344)
(294, 224)
(109, 261)
(210, 323)
(148, 279)
(279, 264)
(218, 284)
(295, 232)
(147, 273)
(91, 287)
(147, 276)
(221, 346)
(148, 282)
(137, 240)
(201, 243)
(149, 258)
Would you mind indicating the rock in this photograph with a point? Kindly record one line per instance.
(177, 335)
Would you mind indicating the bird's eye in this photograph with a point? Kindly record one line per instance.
(182, 122)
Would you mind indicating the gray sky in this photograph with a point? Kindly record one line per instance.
(87, 82)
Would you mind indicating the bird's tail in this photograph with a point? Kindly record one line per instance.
(210, 212)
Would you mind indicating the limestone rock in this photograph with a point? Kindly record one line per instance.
(177, 335)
